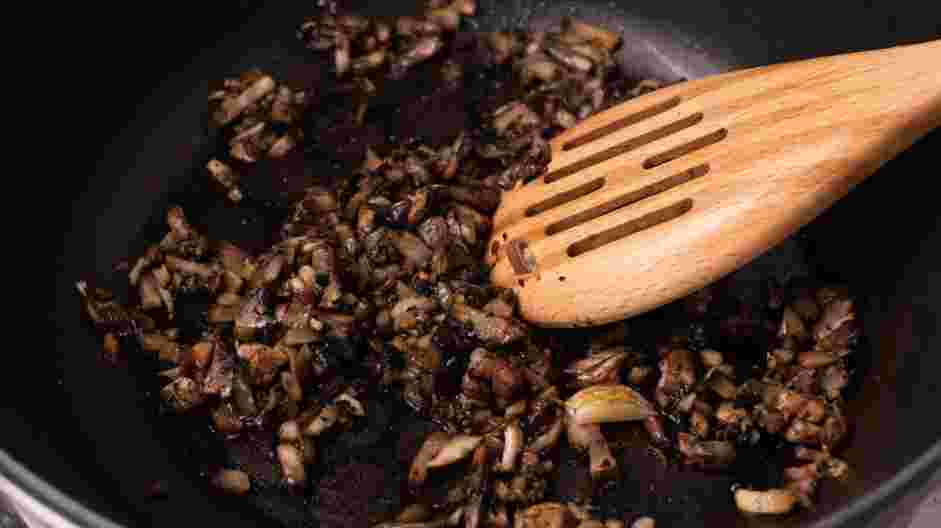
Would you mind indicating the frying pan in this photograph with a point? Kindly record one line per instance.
(94, 443)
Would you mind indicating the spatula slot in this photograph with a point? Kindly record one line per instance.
(630, 227)
(625, 121)
(565, 197)
(627, 199)
(520, 257)
(624, 146)
(685, 149)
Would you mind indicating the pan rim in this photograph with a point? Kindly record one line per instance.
(74, 513)
(48, 501)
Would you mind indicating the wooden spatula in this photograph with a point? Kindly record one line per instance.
(653, 199)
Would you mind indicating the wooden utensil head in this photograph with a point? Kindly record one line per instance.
(651, 200)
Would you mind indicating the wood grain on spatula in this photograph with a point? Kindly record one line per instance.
(658, 197)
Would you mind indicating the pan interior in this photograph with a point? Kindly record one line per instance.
(360, 475)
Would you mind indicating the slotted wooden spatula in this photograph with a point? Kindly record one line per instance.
(653, 199)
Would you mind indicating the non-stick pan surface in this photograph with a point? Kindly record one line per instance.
(103, 442)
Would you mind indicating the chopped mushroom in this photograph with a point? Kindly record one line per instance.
(227, 177)
(231, 108)
(836, 313)
(608, 403)
(183, 394)
(454, 449)
(292, 465)
(506, 381)
(490, 329)
(417, 512)
(600, 367)
(588, 437)
(678, 375)
(232, 481)
(549, 438)
(546, 515)
(708, 454)
(432, 445)
(512, 447)
(772, 501)
(324, 420)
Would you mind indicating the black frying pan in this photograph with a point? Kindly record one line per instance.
(94, 432)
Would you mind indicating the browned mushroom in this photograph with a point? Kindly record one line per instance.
(232, 481)
(506, 381)
(512, 447)
(600, 367)
(772, 501)
(707, 454)
(588, 437)
(432, 445)
(608, 403)
(677, 376)
(546, 515)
